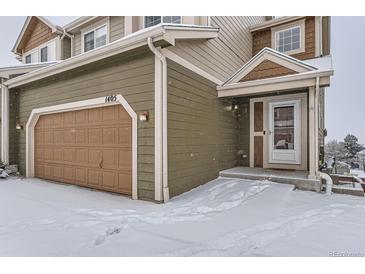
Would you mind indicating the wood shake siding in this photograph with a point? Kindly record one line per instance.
(132, 76)
(262, 38)
(226, 54)
(202, 133)
(41, 34)
(116, 30)
(267, 69)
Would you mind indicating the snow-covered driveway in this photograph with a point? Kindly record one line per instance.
(226, 217)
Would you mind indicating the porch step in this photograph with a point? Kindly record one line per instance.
(298, 179)
(349, 189)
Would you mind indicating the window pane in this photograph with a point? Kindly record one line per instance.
(288, 40)
(172, 19)
(284, 127)
(100, 37)
(28, 59)
(89, 41)
(44, 54)
(150, 21)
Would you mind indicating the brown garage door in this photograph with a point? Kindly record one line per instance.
(91, 147)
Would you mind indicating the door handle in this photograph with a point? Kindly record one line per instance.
(270, 132)
(101, 163)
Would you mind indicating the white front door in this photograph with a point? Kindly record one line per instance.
(284, 132)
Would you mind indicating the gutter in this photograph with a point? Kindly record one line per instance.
(292, 77)
(167, 33)
(162, 97)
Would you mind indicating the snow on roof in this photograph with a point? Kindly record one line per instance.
(321, 63)
(61, 20)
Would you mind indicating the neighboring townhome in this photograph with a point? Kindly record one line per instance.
(153, 106)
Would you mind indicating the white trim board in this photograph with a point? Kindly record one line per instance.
(181, 61)
(86, 104)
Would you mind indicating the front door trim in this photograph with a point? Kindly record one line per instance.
(85, 104)
(297, 138)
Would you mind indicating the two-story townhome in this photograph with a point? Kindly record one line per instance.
(153, 106)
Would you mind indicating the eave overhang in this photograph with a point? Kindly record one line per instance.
(6, 72)
(276, 84)
(274, 22)
(167, 33)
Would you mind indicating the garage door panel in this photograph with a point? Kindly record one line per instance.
(58, 154)
(58, 172)
(110, 159)
(81, 155)
(94, 177)
(90, 147)
(69, 155)
(48, 137)
(81, 117)
(125, 136)
(81, 136)
(109, 114)
(48, 154)
(110, 179)
(124, 159)
(94, 115)
(125, 182)
(58, 136)
(95, 136)
(68, 118)
(69, 174)
(80, 176)
(95, 157)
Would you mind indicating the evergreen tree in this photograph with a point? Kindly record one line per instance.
(352, 147)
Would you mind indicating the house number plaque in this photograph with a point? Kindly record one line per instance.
(110, 98)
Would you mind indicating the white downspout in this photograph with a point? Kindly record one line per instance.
(163, 86)
(4, 124)
(71, 38)
(322, 175)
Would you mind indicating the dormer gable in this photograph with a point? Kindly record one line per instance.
(269, 63)
(36, 31)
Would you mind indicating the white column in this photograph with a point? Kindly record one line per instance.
(4, 124)
(313, 142)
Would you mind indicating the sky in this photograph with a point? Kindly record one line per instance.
(345, 98)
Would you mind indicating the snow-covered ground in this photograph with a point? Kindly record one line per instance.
(226, 217)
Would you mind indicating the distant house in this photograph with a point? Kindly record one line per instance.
(153, 106)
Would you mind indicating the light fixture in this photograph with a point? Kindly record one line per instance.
(18, 126)
(144, 116)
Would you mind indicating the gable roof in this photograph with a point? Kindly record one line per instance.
(163, 34)
(53, 27)
(269, 54)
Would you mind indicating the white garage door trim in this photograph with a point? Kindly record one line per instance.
(92, 103)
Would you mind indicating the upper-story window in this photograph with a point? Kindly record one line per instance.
(28, 59)
(150, 21)
(95, 38)
(44, 54)
(289, 39)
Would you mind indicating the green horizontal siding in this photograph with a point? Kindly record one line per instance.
(131, 76)
(202, 135)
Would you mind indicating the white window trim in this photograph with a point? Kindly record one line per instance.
(86, 104)
(38, 50)
(88, 30)
(301, 25)
(144, 21)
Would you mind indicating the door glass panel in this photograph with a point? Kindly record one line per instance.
(284, 127)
